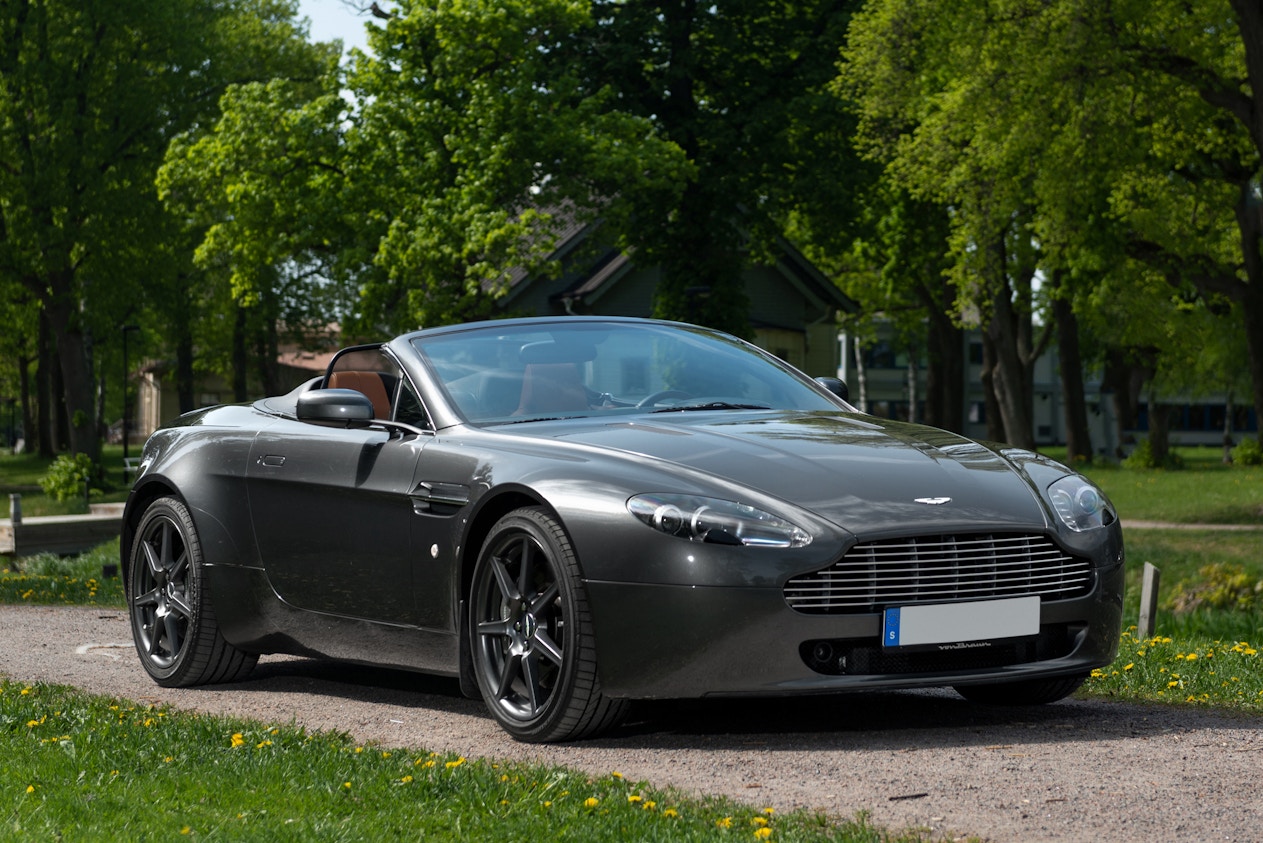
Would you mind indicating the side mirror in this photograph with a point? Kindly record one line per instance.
(344, 407)
(836, 386)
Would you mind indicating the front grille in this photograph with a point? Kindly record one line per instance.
(940, 569)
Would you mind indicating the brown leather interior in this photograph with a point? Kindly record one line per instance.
(368, 383)
(552, 388)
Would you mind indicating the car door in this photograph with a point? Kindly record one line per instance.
(332, 511)
(333, 518)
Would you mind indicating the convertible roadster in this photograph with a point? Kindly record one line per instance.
(569, 514)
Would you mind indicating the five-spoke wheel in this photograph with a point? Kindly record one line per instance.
(531, 634)
(173, 622)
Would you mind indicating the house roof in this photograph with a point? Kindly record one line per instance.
(590, 279)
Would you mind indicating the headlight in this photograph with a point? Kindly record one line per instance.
(717, 521)
(1080, 505)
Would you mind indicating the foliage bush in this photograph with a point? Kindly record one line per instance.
(67, 477)
(1219, 586)
(1143, 458)
(1249, 452)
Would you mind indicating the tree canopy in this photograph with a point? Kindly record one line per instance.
(90, 96)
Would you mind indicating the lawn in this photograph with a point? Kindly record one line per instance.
(1206, 491)
(88, 767)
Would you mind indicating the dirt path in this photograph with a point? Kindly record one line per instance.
(1077, 770)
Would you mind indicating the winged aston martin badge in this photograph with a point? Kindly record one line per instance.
(933, 501)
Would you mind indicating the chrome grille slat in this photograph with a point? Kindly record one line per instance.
(932, 569)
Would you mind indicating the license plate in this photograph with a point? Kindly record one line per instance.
(953, 623)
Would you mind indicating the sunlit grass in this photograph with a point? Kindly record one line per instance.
(1163, 668)
(86, 767)
(1205, 491)
(48, 579)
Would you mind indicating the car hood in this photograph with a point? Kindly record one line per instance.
(864, 474)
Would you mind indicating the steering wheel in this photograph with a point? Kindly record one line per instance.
(661, 395)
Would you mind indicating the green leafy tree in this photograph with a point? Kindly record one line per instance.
(477, 131)
(90, 95)
(1129, 152)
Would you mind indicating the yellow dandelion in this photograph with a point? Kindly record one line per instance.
(30, 788)
(346, 785)
(186, 831)
(385, 755)
(1128, 667)
(671, 812)
(453, 764)
(726, 822)
(758, 822)
(616, 774)
(763, 833)
(591, 802)
(634, 798)
(262, 744)
(548, 804)
(238, 740)
(406, 779)
(358, 750)
(649, 805)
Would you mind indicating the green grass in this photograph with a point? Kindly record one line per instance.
(87, 767)
(79, 580)
(1205, 491)
(1224, 673)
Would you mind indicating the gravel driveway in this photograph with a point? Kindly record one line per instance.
(1077, 770)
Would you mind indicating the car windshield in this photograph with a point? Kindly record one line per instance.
(513, 373)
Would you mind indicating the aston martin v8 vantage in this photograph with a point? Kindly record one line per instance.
(570, 514)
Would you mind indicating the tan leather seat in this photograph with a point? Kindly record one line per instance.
(552, 388)
(368, 383)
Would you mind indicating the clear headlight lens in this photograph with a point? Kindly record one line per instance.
(1080, 505)
(716, 521)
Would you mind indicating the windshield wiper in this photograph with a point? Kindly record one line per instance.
(711, 405)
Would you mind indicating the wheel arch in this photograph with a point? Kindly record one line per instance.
(490, 509)
(141, 497)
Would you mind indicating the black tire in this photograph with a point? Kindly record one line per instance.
(530, 634)
(1025, 692)
(169, 601)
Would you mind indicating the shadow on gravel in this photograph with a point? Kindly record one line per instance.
(874, 720)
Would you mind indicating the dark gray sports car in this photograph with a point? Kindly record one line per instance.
(569, 514)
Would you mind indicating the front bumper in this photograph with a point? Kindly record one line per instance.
(680, 641)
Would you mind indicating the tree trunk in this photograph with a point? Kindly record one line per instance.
(46, 433)
(240, 355)
(995, 419)
(945, 374)
(1228, 443)
(184, 383)
(1126, 371)
(1010, 379)
(76, 374)
(1159, 431)
(861, 375)
(24, 389)
(913, 392)
(1078, 435)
